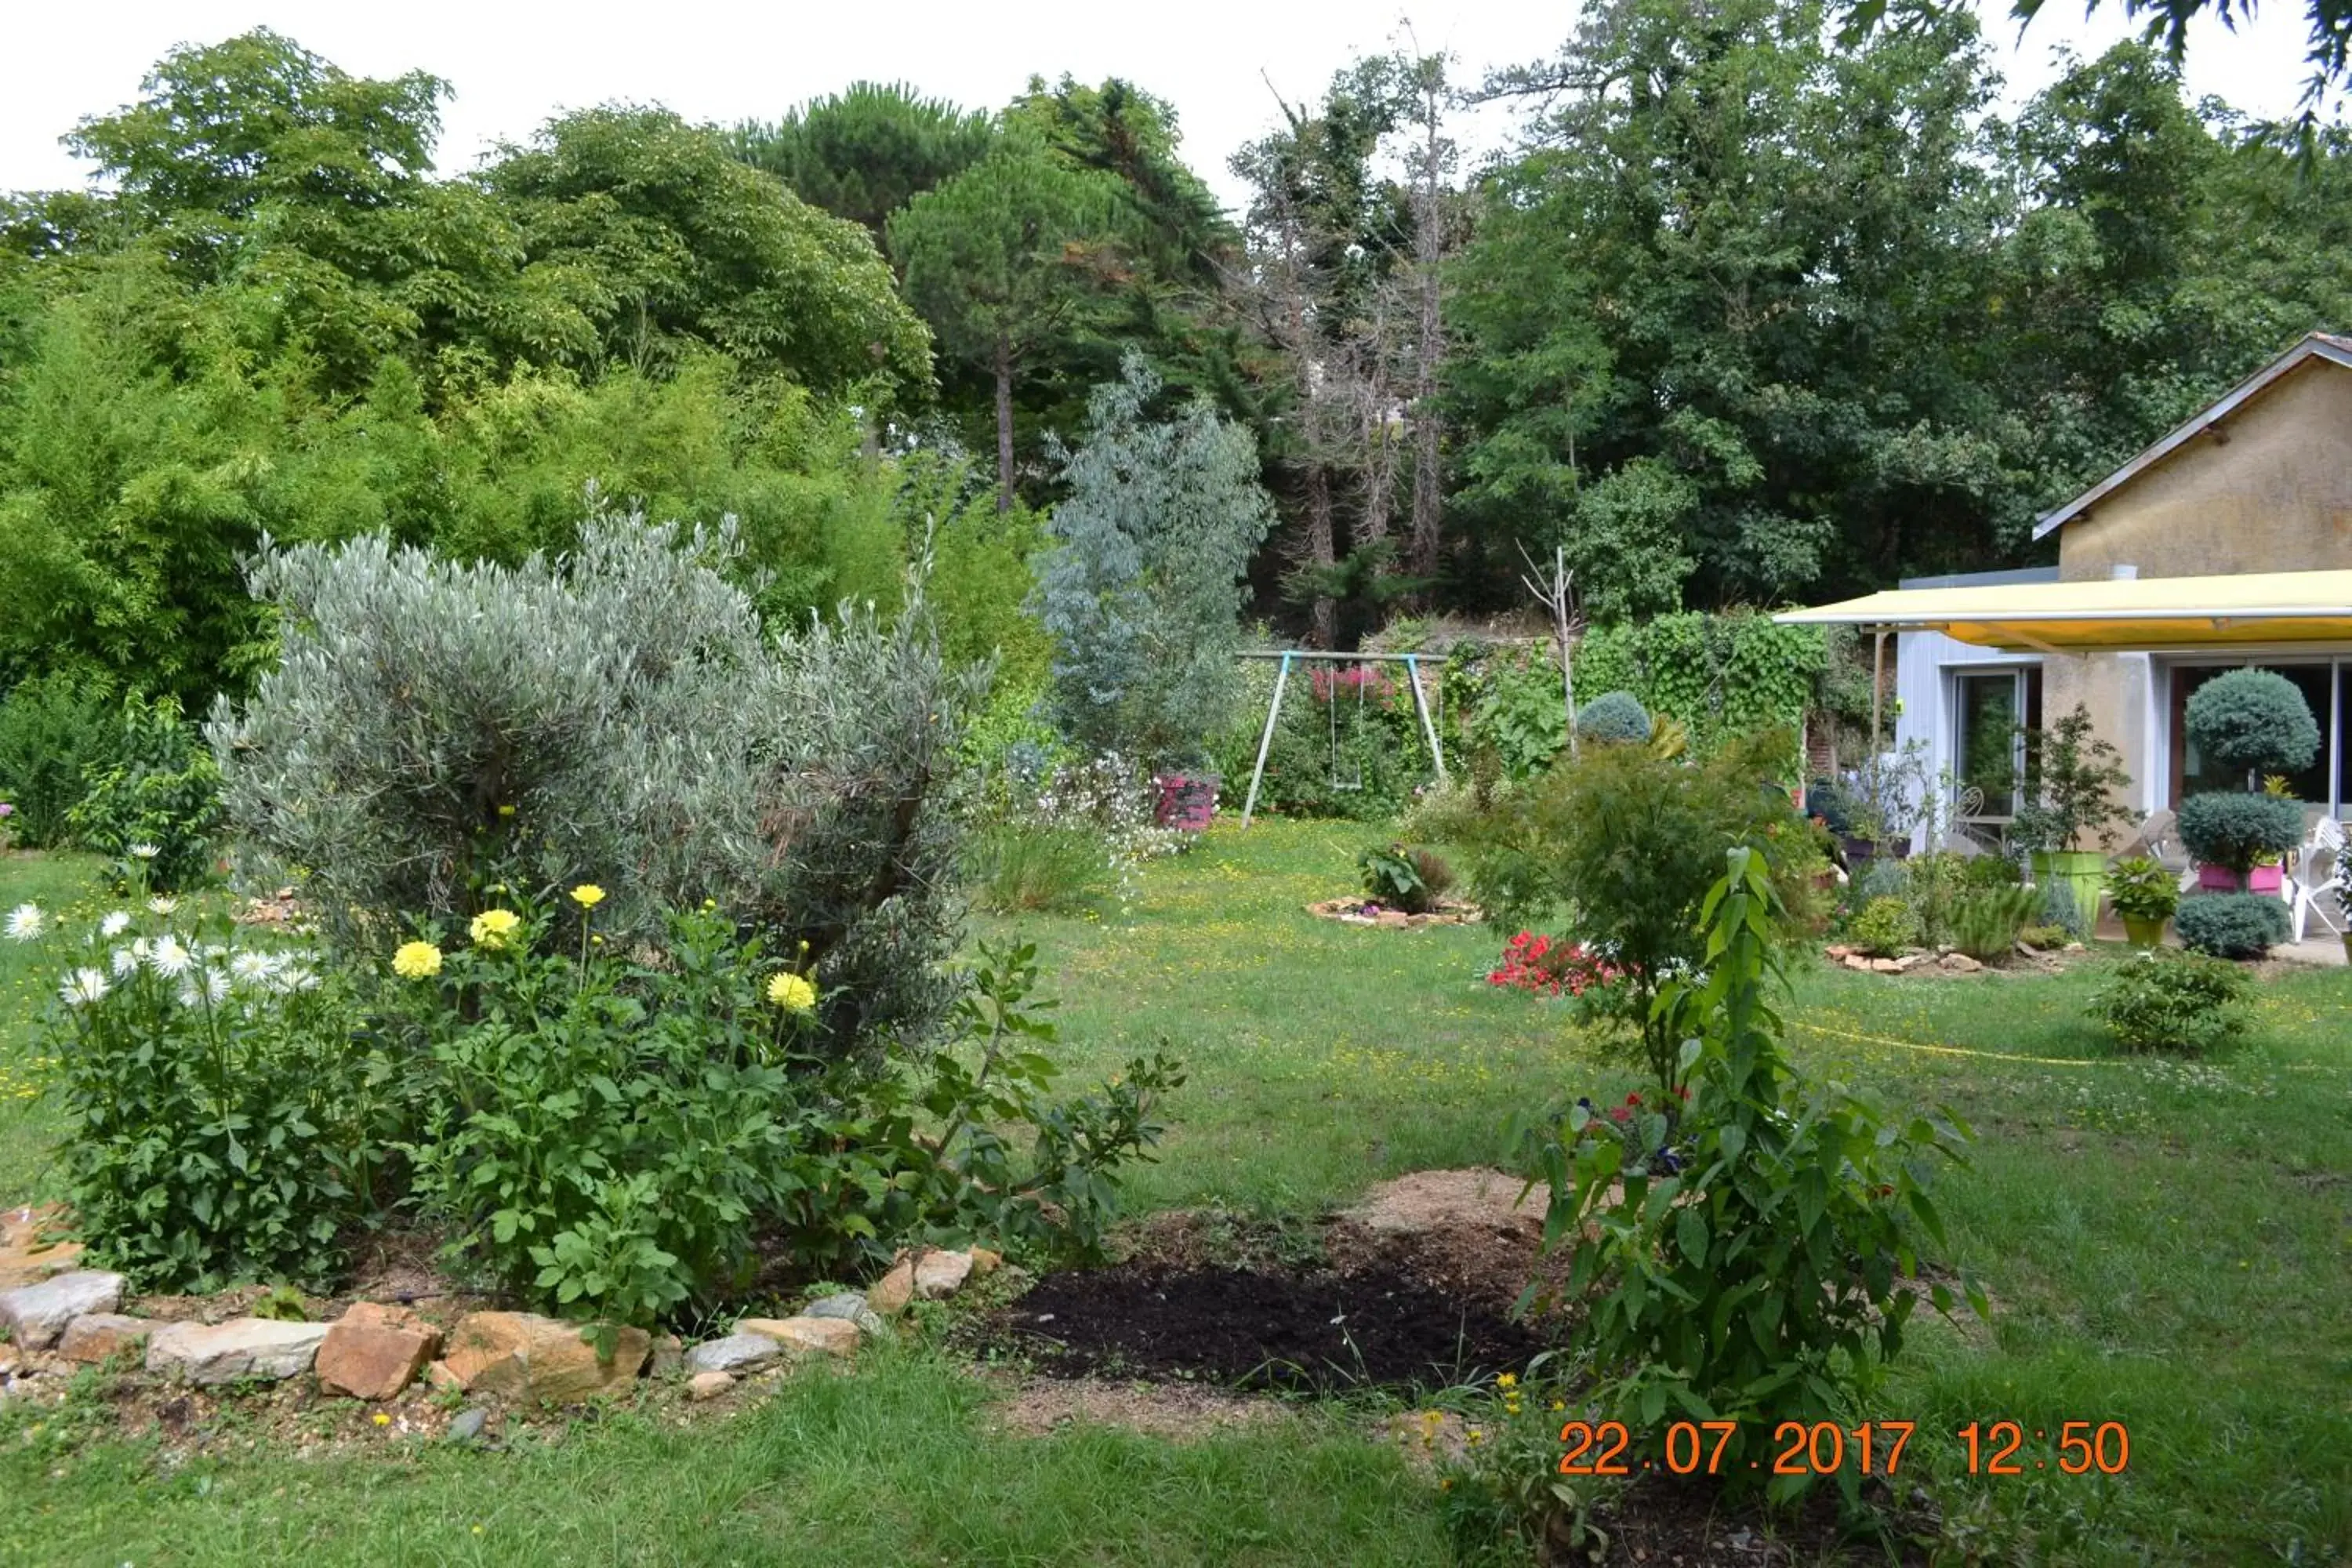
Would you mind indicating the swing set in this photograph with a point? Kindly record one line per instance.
(1412, 662)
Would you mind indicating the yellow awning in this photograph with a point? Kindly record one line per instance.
(2113, 613)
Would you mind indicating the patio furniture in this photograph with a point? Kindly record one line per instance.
(2160, 842)
(2310, 872)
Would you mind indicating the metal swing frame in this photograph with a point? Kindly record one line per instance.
(1412, 662)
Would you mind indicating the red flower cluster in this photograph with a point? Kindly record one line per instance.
(1533, 962)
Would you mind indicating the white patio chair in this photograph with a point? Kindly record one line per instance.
(2311, 872)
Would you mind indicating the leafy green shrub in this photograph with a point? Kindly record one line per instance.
(1629, 843)
(53, 729)
(618, 717)
(2165, 1001)
(1981, 871)
(216, 1102)
(1396, 877)
(1613, 716)
(1987, 921)
(154, 806)
(2231, 925)
(602, 1128)
(1885, 927)
(2222, 828)
(2253, 719)
(1754, 1279)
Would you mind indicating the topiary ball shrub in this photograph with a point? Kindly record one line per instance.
(2231, 925)
(2164, 1001)
(1613, 716)
(2220, 828)
(2253, 719)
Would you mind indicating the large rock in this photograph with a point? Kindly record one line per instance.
(36, 1315)
(705, 1385)
(95, 1336)
(850, 1306)
(27, 1255)
(372, 1352)
(519, 1355)
(891, 1293)
(240, 1348)
(939, 1275)
(805, 1336)
(738, 1353)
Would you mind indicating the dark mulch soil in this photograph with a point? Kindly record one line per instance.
(1303, 1330)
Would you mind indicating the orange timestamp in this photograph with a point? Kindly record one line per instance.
(1823, 1447)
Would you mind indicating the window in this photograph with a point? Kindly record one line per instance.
(1994, 708)
(2327, 687)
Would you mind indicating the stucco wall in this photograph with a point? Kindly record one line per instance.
(2272, 493)
(2275, 495)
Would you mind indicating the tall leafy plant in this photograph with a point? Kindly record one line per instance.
(1753, 1277)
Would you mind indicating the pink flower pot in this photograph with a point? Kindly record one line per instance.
(2221, 879)
(1187, 801)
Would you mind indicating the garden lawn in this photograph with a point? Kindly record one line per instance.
(2167, 1244)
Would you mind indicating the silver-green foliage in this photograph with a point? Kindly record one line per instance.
(618, 716)
(1141, 588)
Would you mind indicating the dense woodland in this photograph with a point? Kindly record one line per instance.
(1746, 315)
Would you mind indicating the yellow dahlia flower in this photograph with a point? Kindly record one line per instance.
(417, 961)
(791, 992)
(491, 928)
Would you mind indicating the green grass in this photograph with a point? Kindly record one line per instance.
(2167, 1245)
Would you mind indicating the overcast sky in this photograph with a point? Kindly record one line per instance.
(513, 65)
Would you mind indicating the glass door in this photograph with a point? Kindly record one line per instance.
(1989, 750)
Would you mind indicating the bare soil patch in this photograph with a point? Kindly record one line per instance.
(1175, 1412)
(1307, 1331)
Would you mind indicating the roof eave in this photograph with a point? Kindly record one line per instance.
(2316, 345)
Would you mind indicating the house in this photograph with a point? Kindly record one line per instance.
(2228, 543)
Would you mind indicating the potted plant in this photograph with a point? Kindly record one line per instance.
(2256, 720)
(2076, 776)
(2145, 895)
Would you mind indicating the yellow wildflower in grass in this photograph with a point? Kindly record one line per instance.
(1509, 1380)
(791, 992)
(417, 961)
(587, 895)
(491, 928)
(382, 1419)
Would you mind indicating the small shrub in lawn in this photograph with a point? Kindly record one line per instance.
(1613, 716)
(1630, 842)
(1986, 923)
(2231, 925)
(1885, 927)
(1754, 1281)
(2164, 1001)
(2045, 938)
(1396, 877)
(219, 1115)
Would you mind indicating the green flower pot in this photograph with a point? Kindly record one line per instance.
(2145, 931)
(2084, 872)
